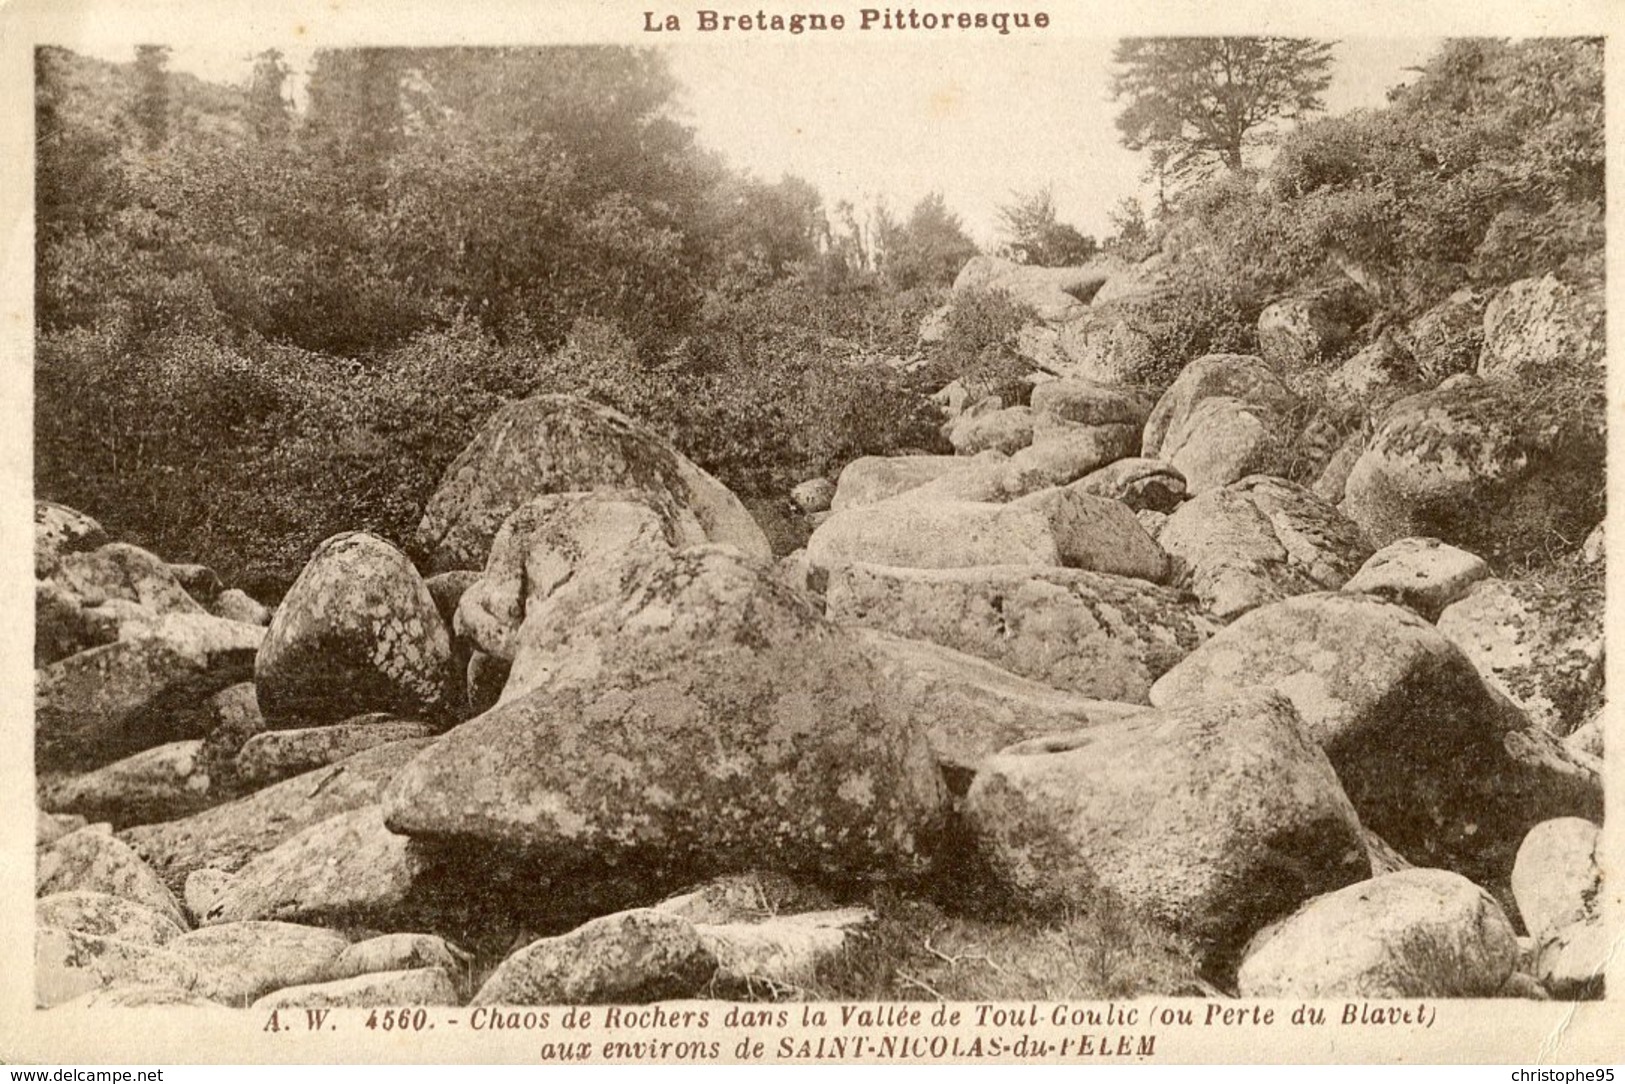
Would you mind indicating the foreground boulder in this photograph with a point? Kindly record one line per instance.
(1556, 879)
(69, 964)
(142, 691)
(60, 530)
(873, 478)
(122, 571)
(1558, 884)
(1250, 381)
(228, 836)
(1212, 819)
(1103, 636)
(733, 727)
(419, 986)
(1435, 763)
(542, 545)
(357, 632)
(93, 861)
(1422, 574)
(237, 963)
(1473, 465)
(1260, 540)
(102, 915)
(275, 755)
(1541, 648)
(347, 870)
(563, 444)
(628, 958)
(398, 952)
(158, 785)
(970, 708)
(1417, 933)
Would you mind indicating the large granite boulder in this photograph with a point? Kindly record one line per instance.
(563, 444)
(688, 711)
(375, 990)
(1472, 465)
(1299, 332)
(143, 690)
(1556, 878)
(1258, 541)
(347, 870)
(627, 958)
(158, 784)
(1250, 381)
(1423, 574)
(120, 570)
(1435, 762)
(1419, 933)
(544, 544)
(1537, 328)
(1103, 636)
(228, 836)
(60, 530)
(358, 631)
(1222, 440)
(873, 478)
(102, 914)
(91, 860)
(274, 755)
(69, 964)
(970, 708)
(240, 961)
(1052, 527)
(1539, 646)
(1213, 819)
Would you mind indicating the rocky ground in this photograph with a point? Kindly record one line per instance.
(1102, 705)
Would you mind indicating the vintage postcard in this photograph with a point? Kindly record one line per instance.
(670, 533)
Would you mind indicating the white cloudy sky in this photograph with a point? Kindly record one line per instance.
(896, 118)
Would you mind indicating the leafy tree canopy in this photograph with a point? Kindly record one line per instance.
(1033, 234)
(1198, 103)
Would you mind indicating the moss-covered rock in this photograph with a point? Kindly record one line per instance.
(1213, 819)
(357, 632)
(563, 444)
(691, 712)
(1103, 636)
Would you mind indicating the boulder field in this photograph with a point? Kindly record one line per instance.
(1105, 659)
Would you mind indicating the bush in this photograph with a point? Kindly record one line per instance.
(978, 345)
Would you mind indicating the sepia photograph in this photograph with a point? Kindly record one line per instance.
(625, 534)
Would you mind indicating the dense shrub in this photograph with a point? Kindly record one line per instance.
(978, 345)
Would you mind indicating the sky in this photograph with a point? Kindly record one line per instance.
(978, 121)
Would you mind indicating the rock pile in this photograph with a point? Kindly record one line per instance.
(1106, 653)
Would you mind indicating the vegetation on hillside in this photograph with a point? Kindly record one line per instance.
(259, 325)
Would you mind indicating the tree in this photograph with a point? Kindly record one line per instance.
(1035, 236)
(926, 250)
(268, 107)
(151, 106)
(1196, 103)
